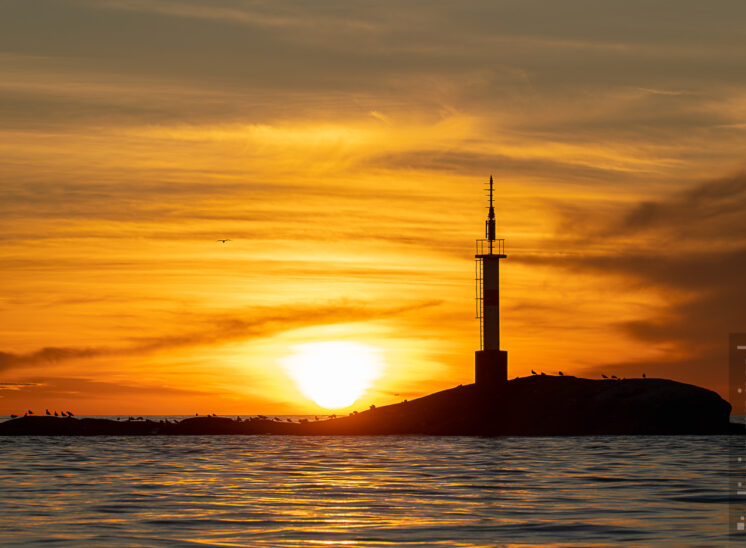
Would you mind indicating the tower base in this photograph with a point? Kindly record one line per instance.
(491, 368)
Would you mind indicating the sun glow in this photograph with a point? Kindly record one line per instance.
(333, 374)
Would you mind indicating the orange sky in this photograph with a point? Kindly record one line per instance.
(343, 149)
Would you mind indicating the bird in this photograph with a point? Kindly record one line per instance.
(48, 413)
(643, 376)
(543, 374)
(604, 376)
(561, 374)
(13, 416)
(56, 414)
(224, 240)
(69, 414)
(533, 372)
(614, 377)
(30, 412)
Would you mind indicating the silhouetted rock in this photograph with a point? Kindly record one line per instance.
(547, 406)
(540, 405)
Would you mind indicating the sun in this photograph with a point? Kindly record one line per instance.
(334, 373)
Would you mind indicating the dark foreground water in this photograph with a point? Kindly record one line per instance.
(364, 491)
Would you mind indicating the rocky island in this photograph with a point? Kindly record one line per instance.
(540, 405)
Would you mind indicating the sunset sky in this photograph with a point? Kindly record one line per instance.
(343, 147)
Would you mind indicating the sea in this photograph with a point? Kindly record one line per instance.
(364, 491)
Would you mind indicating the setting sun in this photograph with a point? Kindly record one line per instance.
(333, 374)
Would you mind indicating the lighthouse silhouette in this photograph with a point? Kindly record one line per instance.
(491, 363)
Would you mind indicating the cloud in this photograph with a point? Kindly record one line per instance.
(66, 387)
(709, 210)
(220, 328)
(16, 385)
(47, 355)
(690, 249)
(476, 164)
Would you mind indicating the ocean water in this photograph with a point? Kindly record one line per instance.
(364, 491)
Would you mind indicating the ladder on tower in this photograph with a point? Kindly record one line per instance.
(479, 279)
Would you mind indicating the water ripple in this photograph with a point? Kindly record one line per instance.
(363, 491)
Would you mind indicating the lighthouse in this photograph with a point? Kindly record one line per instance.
(491, 363)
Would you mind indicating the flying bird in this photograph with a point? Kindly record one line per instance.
(224, 240)
(604, 376)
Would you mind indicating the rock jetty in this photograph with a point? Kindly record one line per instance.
(540, 405)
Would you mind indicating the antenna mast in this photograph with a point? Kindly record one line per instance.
(490, 223)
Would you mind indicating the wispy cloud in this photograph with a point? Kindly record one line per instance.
(688, 248)
(218, 329)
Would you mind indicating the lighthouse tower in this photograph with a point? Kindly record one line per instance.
(491, 363)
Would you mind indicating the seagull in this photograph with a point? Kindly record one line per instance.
(614, 377)
(224, 240)
(604, 376)
(643, 376)
(543, 374)
(533, 372)
(30, 412)
(13, 416)
(561, 374)
(48, 413)
(69, 414)
(56, 414)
